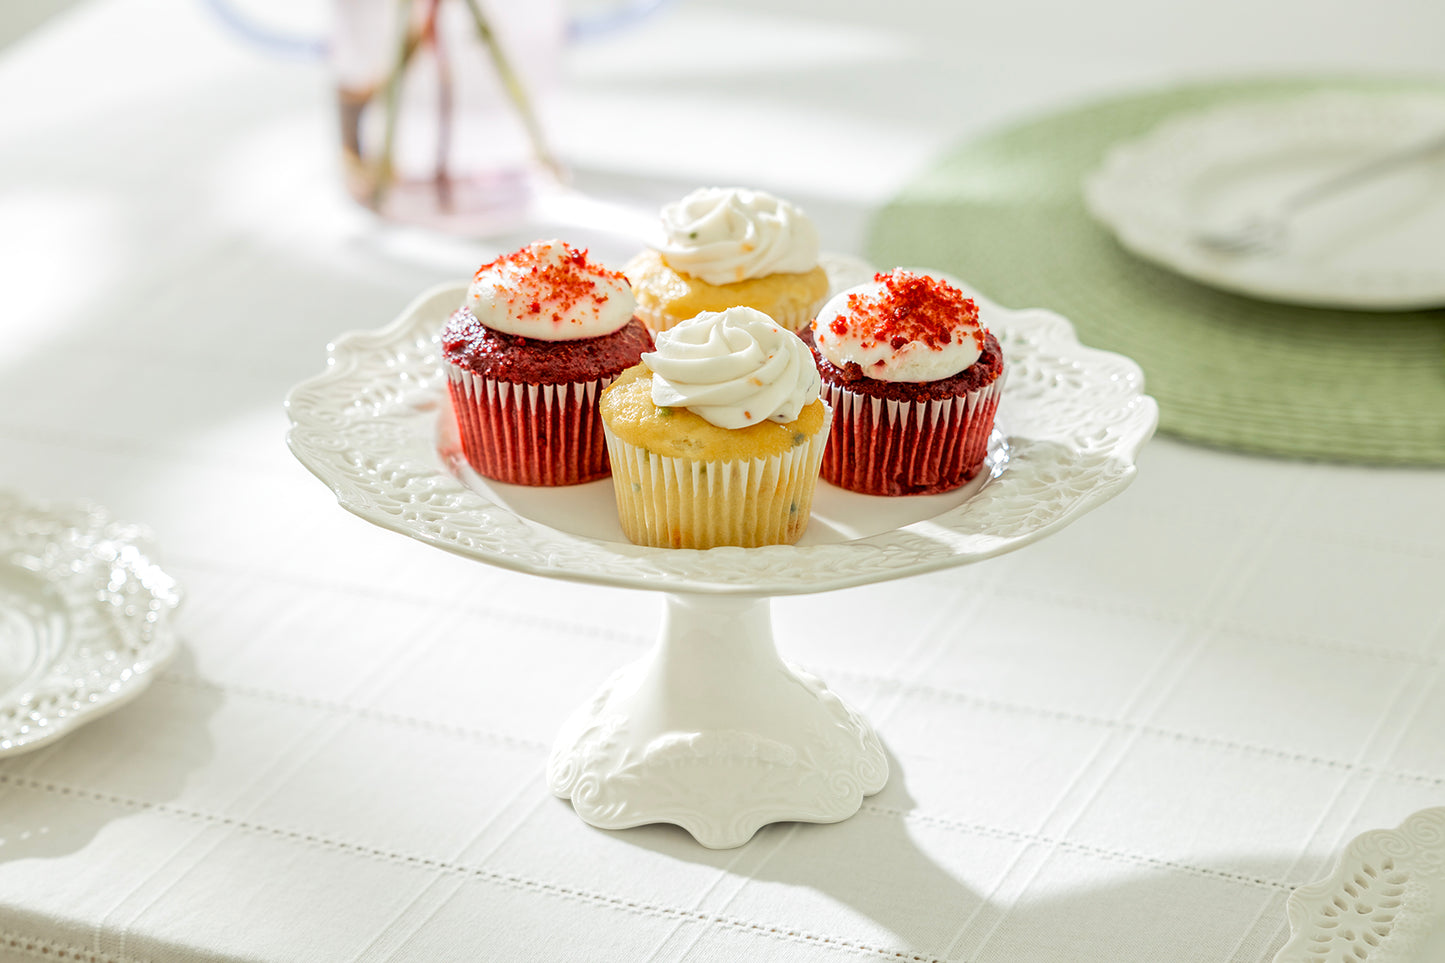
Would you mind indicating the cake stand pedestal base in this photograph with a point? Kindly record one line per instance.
(712, 731)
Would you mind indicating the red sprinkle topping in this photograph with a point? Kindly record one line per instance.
(534, 285)
(912, 307)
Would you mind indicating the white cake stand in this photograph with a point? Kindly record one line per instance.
(713, 731)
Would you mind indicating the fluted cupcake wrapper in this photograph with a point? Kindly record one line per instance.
(799, 318)
(684, 503)
(884, 446)
(530, 434)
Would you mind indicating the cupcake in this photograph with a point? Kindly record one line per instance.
(716, 436)
(728, 247)
(542, 331)
(913, 379)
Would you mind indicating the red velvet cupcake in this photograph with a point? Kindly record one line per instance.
(913, 379)
(542, 332)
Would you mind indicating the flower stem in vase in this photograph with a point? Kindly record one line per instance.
(445, 108)
(406, 48)
(412, 133)
(516, 91)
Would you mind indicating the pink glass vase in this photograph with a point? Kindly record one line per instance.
(440, 124)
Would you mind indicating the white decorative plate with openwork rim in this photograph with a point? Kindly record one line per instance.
(377, 428)
(1383, 903)
(84, 617)
(1377, 246)
(762, 741)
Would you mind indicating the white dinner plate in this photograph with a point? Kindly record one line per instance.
(84, 618)
(1378, 246)
(1384, 902)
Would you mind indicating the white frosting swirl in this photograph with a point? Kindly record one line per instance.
(733, 368)
(894, 335)
(728, 234)
(550, 291)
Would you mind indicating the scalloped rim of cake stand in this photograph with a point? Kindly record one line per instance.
(1075, 419)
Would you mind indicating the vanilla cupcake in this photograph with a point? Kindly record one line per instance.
(542, 331)
(730, 247)
(716, 437)
(914, 380)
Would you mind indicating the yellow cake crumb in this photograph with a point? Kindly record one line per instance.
(666, 297)
(628, 410)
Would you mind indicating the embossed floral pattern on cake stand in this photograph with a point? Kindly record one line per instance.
(712, 731)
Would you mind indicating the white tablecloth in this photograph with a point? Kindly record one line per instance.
(1125, 743)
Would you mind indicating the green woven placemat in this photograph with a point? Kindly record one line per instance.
(1005, 213)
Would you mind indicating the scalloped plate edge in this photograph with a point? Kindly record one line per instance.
(1385, 896)
(160, 643)
(1111, 195)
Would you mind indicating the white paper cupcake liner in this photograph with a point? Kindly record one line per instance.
(684, 503)
(530, 434)
(799, 318)
(884, 446)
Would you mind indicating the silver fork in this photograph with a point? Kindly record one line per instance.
(1267, 230)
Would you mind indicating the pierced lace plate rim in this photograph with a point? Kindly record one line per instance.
(109, 630)
(1410, 859)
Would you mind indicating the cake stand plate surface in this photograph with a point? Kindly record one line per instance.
(712, 730)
